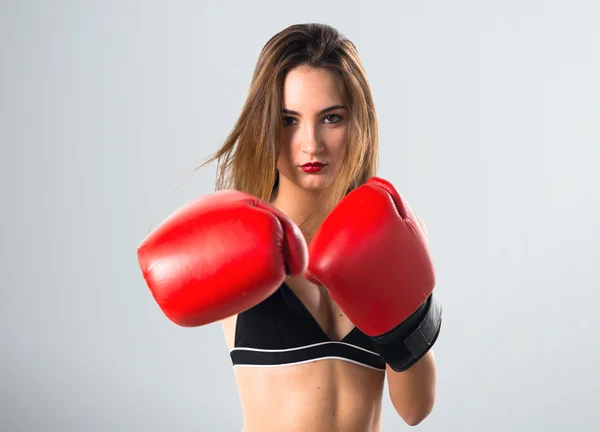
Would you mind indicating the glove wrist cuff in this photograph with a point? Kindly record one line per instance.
(408, 342)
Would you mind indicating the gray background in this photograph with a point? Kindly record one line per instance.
(489, 117)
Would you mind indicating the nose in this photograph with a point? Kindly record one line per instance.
(311, 140)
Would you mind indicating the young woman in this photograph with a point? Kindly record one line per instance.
(300, 220)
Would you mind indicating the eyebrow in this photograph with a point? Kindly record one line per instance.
(323, 111)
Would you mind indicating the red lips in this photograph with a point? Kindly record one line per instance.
(313, 167)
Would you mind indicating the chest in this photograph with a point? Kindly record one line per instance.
(328, 315)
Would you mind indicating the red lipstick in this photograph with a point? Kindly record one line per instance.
(312, 167)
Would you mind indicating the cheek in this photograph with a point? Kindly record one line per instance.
(283, 159)
(288, 148)
(337, 144)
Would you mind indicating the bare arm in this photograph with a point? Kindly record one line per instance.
(413, 391)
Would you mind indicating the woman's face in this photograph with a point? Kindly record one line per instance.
(314, 128)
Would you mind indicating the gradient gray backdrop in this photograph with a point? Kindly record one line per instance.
(489, 116)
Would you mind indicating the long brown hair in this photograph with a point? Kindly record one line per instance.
(248, 158)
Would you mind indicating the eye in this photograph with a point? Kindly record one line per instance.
(333, 118)
(288, 121)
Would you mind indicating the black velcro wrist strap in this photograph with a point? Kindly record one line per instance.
(407, 343)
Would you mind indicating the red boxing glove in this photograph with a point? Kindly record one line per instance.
(373, 258)
(220, 255)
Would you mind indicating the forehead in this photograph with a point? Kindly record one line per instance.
(311, 89)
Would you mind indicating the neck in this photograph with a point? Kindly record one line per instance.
(299, 204)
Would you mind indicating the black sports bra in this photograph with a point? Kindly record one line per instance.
(280, 331)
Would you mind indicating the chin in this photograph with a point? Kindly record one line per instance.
(308, 182)
(314, 184)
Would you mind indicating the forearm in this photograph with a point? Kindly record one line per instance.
(412, 391)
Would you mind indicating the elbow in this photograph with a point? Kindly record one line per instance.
(415, 414)
(414, 420)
